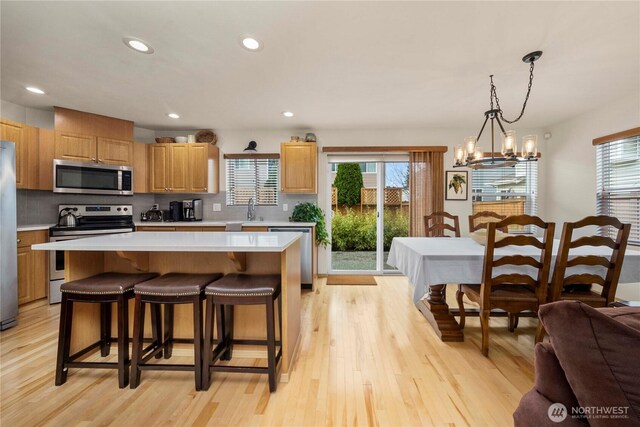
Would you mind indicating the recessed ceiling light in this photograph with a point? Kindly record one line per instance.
(173, 115)
(35, 90)
(287, 113)
(137, 45)
(251, 43)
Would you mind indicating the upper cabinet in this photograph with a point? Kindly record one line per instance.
(198, 158)
(183, 168)
(87, 148)
(26, 140)
(299, 164)
(70, 146)
(115, 151)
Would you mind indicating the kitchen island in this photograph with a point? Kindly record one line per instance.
(192, 252)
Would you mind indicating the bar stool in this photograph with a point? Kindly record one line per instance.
(103, 289)
(169, 289)
(240, 289)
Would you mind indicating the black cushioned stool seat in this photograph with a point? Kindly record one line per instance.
(169, 289)
(223, 295)
(103, 289)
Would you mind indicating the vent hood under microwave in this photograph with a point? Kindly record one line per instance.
(92, 178)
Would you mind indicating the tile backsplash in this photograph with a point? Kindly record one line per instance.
(238, 213)
(41, 207)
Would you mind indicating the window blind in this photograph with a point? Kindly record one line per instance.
(507, 190)
(618, 183)
(256, 178)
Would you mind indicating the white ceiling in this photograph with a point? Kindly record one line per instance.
(335, 65)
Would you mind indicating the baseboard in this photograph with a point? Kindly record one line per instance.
(351, 279)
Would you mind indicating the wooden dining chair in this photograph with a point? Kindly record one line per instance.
(435, 224)
(511, 292)
(567, 286)
(480, 220)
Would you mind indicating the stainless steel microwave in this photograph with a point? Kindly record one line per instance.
(92, 178)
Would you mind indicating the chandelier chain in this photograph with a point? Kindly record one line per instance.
(494, 94)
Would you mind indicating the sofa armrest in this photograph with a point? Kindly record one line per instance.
(598, 355)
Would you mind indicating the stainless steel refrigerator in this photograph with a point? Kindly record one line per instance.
(8, 237)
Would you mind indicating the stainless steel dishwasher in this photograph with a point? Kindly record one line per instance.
(306, 251)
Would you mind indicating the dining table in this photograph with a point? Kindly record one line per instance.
(430, 263)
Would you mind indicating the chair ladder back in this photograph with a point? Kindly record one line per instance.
(435, 225)
(473, 226)
(617, 257)
(542, 265)
(613, 264)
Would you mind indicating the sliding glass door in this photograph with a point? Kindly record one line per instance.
(368, 201)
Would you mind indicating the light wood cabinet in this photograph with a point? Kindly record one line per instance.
(33, 267)
(115, 151)
(213, 228)
(255, 228)
(298, 167)
(26, 142)
(25, 283)
(72, 146)
(183, 168)
(198, 169)
(152, 228)
(179, 169)
(140, 169)
(89, 148)
(159, 163)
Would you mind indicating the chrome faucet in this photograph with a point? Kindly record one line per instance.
(251, 209)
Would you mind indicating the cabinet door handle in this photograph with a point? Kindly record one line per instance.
(166, 188)
(205, 188)
(99, 160)
(18, 240)
(93, 159)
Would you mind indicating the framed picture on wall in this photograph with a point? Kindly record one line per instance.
(456, 185)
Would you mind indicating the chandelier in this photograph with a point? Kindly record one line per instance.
(470, 155)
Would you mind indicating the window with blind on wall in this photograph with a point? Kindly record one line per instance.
(253, 178)
(618, 183)
(507, 190)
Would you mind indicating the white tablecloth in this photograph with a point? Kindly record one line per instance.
(438, 260)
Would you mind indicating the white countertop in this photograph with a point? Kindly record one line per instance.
(34, 227)
(223, 223)
(179, 241)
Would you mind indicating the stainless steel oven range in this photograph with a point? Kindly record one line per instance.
(91, 221)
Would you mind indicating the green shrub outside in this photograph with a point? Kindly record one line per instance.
(348, 181)
(355, 231)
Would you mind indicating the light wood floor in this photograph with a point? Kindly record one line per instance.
(367, 357)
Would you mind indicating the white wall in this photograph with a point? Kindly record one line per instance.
(570, 158)
(30, 116)
(570, 166)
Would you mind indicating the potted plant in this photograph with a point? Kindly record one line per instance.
(309, 212)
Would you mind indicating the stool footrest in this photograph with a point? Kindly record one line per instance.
(251, 342)
(95, 365)
(249, 369)
(165, 367)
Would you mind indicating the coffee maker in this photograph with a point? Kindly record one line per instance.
(176, 211)
(192, 209)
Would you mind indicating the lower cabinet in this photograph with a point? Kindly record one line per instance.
(33, 266)
(178, 228)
